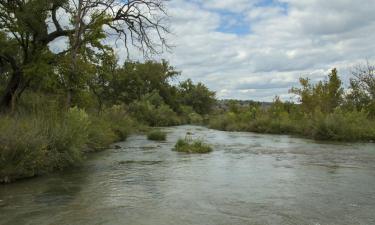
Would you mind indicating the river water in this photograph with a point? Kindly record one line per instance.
(247, 179)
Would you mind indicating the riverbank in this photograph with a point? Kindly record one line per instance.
(39, 143)
(338, 126)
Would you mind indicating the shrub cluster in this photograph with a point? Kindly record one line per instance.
(188, 145)
(325, 112)
(156, 135)
(33, 144)
(339, 125)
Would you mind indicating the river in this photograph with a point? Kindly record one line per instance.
(248, 179)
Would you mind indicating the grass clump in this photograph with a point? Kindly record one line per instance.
(35, 144)
(40, 142)
(156, 135)
(188, 145)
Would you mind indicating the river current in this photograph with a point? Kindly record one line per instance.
(249, 178)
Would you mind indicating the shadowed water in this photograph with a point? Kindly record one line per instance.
(247, 179)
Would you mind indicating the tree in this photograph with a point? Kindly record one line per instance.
(25, 26)
(197, 96)
(324, 96)
(362, 89)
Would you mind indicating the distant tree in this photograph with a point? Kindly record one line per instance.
(362, 89)
(197, 96)
(324, 96)
(135, 79)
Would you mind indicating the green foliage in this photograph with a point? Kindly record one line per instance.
(189, 116)
(121, 121)
(199, 97)
(35, 144)
(324, 113)
(327, 95)
(342, 126)
(189, 145)
(156, 135)
(101, 134)
(113, 124)
(134, 80)
(361, 94)
(153, 111)
(56, 106)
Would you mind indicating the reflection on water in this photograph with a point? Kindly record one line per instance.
(248, 179)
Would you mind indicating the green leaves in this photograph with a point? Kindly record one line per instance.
(327, 95)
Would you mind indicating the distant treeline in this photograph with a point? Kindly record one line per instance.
(325, 111)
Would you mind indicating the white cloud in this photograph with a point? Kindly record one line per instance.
(287, 39)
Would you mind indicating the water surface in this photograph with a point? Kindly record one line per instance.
(247, 179)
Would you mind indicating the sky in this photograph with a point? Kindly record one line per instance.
(257, 49)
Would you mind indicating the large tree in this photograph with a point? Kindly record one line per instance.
(28, 27)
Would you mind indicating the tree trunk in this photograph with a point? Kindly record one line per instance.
(10, 94)
(75, 42)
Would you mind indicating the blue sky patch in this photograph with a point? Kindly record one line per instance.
(235, 23)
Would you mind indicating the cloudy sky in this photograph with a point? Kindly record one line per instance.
(256, 49)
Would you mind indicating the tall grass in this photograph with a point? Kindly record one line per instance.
(35, 144)
(189, 145)
(337, 126)
(156, 135)
(40, 142)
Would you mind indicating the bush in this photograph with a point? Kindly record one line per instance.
(35, 144)
(226, 121)
(40, 142)
(343, 126)
(189, 116)
(67, 137)
(120, 121)
(114, 124)
(339, 125)
(101, 134)
(188, 145)
(154, 115)
(23, 149)
(156, 135)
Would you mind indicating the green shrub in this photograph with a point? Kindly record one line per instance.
(343, 126)
(189, 116)
(189, 145)
(156, 135)
(154, 115)
(35, 144)
(67, 137)
(101, 134)
(223, 122)
(23, 149)
(120, 121)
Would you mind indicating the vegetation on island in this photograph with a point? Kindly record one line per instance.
(190, 145)
(156, 135)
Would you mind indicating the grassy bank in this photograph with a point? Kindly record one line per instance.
(34, 144)
(336, 126)
(325, 110)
